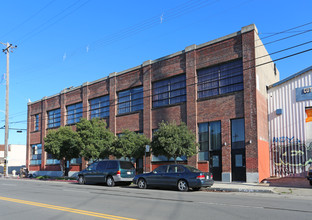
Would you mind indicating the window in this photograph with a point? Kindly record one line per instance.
(175, 169)
(51, 160)
(161, 169)
(54, 118)
(99, 107)
(169, 91)
(35, 154)
(209, 139)
(112, 165)
(220, 79)
(74, 113)
(238, 133)
(75, 161)
(130, 100)
(92, 166)
(102, 165)
(37, 122)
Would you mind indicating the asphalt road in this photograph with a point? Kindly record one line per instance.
(29, 199)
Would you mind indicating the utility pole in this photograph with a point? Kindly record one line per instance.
(7, 50)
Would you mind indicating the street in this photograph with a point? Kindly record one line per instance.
(31, 199)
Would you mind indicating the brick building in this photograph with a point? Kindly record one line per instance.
(217, 88)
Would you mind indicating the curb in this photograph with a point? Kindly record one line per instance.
(239, 190)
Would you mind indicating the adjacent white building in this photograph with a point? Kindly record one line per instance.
(290, 124)
(16, 157)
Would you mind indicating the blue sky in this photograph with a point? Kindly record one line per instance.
(66, 43)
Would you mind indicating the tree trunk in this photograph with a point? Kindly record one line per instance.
(175, 159)
(62, 167)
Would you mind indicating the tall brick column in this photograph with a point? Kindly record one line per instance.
(28, 148)
(44, 131)
(112, 102)
(226, 150)
(85, 112)
(147, 110)
(250, 105)
(191, 95)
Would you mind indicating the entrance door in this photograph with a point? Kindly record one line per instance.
(238, 150)
(215, 164)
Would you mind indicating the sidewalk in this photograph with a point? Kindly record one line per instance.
(289, 185)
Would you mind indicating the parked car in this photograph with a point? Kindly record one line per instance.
(181, 176)
(109, 172)
(309, 177)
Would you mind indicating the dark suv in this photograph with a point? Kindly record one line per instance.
(109, 172)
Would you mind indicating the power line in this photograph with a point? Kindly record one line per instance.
(28, 19)
(251, 67)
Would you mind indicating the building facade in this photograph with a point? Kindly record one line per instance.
(217, 88)
(16, 157)
(290, 124)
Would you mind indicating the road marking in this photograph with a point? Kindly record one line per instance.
(65, 209)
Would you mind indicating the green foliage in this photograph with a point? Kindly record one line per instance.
(64, 144)
(174, 141)
(97, 140)
(130, 145)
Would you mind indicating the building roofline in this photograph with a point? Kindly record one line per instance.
(244, 29)
(291, 77)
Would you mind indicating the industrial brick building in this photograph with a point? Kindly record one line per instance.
(217, 88)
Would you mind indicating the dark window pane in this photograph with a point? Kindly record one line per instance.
(238, 133)
(220, 79)
(112, 165)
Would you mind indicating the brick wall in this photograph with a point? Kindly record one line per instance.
(221, 108)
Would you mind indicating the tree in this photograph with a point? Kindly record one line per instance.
(97, 140)
(64, 144)
(130, 145)
(174, 141)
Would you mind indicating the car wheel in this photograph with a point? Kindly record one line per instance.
(81, 180)
(311, 182)
(110, 181)
(183, 186)
(196, 188)
(142, 184)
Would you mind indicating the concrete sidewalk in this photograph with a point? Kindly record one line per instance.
(289, 185)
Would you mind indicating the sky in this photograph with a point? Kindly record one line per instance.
(67, 43)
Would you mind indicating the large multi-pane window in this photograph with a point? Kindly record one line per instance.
(99, 107)
(54, 118)
(36, 122)
(74, 113)
(51, 160)
(209, 138)
(169, 91)
(35, 154)
(130, 100)
(220, 79)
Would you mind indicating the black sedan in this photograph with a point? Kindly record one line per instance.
(181, 176)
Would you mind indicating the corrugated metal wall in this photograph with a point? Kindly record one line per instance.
(288, 147)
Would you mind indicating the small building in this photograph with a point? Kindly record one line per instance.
(16, 157)
(290, 124)
(218, 88)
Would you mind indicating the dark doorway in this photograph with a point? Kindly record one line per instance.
(238, 150)
(210, 147)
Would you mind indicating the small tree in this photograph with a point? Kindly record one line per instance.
(64, 144)
(173, 141)
(97, 140)
(130, 145)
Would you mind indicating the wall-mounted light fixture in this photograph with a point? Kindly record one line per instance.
(250, 142)
(224, 144)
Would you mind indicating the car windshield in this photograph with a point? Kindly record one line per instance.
(193, 169)
(126, 165)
